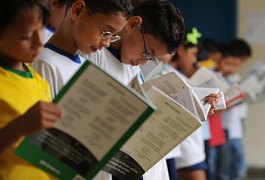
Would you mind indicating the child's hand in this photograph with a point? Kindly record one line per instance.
(212, 99)
(40, 116)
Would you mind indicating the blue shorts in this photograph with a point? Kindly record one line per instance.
(199, 166)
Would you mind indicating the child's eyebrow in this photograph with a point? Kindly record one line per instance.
(110, 27)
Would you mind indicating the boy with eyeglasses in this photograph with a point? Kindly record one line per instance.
(155, 30)
(89, 25)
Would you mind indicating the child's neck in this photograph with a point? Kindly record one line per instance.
(5, 62)
(63, 40)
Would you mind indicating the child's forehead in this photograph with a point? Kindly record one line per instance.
(25, 19)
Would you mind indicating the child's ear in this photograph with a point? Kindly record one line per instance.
(77, 7)
(133, 22)
(181, 50)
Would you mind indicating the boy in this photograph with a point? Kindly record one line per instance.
(232, 118)
(155, 30)
(24, 95)
(88, 26)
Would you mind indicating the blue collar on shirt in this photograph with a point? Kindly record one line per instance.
(50, 28)
(74, 58)
(115, 52)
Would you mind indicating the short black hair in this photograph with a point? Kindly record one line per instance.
(240, 48)
(61, 2)
(107, 6)
(226, 50)
(10, 8)
(163, 21)
(206, 47)
(210, 45)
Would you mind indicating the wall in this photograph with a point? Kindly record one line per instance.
(255, 124)
(214, 18)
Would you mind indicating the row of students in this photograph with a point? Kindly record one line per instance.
(155, 30)
(20, 43)
(87, 27)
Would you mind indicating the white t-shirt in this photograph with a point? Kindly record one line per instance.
(125, 73)
(113, 66)
(192, 150)
(57, 67)
(232, 118)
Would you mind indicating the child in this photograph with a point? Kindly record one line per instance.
(190, 163)
(88, 26)
(23, 93)
(237, 53)
(57, 11)
(155, 30)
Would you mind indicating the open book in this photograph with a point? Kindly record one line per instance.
(167, 127)
(254, 84)
(99, 115)
(174, 85)
(206, 78)
(202, 83)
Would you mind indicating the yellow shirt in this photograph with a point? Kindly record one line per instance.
(17, 95)
(209, 63)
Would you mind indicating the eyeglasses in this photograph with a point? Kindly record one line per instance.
(147, 54)
(105, 34)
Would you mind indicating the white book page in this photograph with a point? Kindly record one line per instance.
(235, 93)
(252, 87)
(204, 77)
(175, 87)
(202, 106)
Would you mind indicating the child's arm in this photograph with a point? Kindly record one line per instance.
(41, 115)
(212, 99)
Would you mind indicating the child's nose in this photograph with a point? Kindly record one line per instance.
(38, 39)
(105, 43)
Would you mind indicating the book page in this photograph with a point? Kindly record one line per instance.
(163, 131)
(204, 77)
(99, 115)
(252, 87)
(152, 70)
(234, 95)
(175, 87)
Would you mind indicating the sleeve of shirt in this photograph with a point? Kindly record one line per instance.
(49, 73)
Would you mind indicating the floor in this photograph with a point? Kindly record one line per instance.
(255, 174)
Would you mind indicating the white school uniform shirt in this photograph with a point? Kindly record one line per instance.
(113, 66)
(124, 74)
(192, 148)
(232, 118)
(57, 67)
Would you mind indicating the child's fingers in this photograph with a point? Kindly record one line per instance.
(51, 109)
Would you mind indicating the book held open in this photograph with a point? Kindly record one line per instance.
(99, 115)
